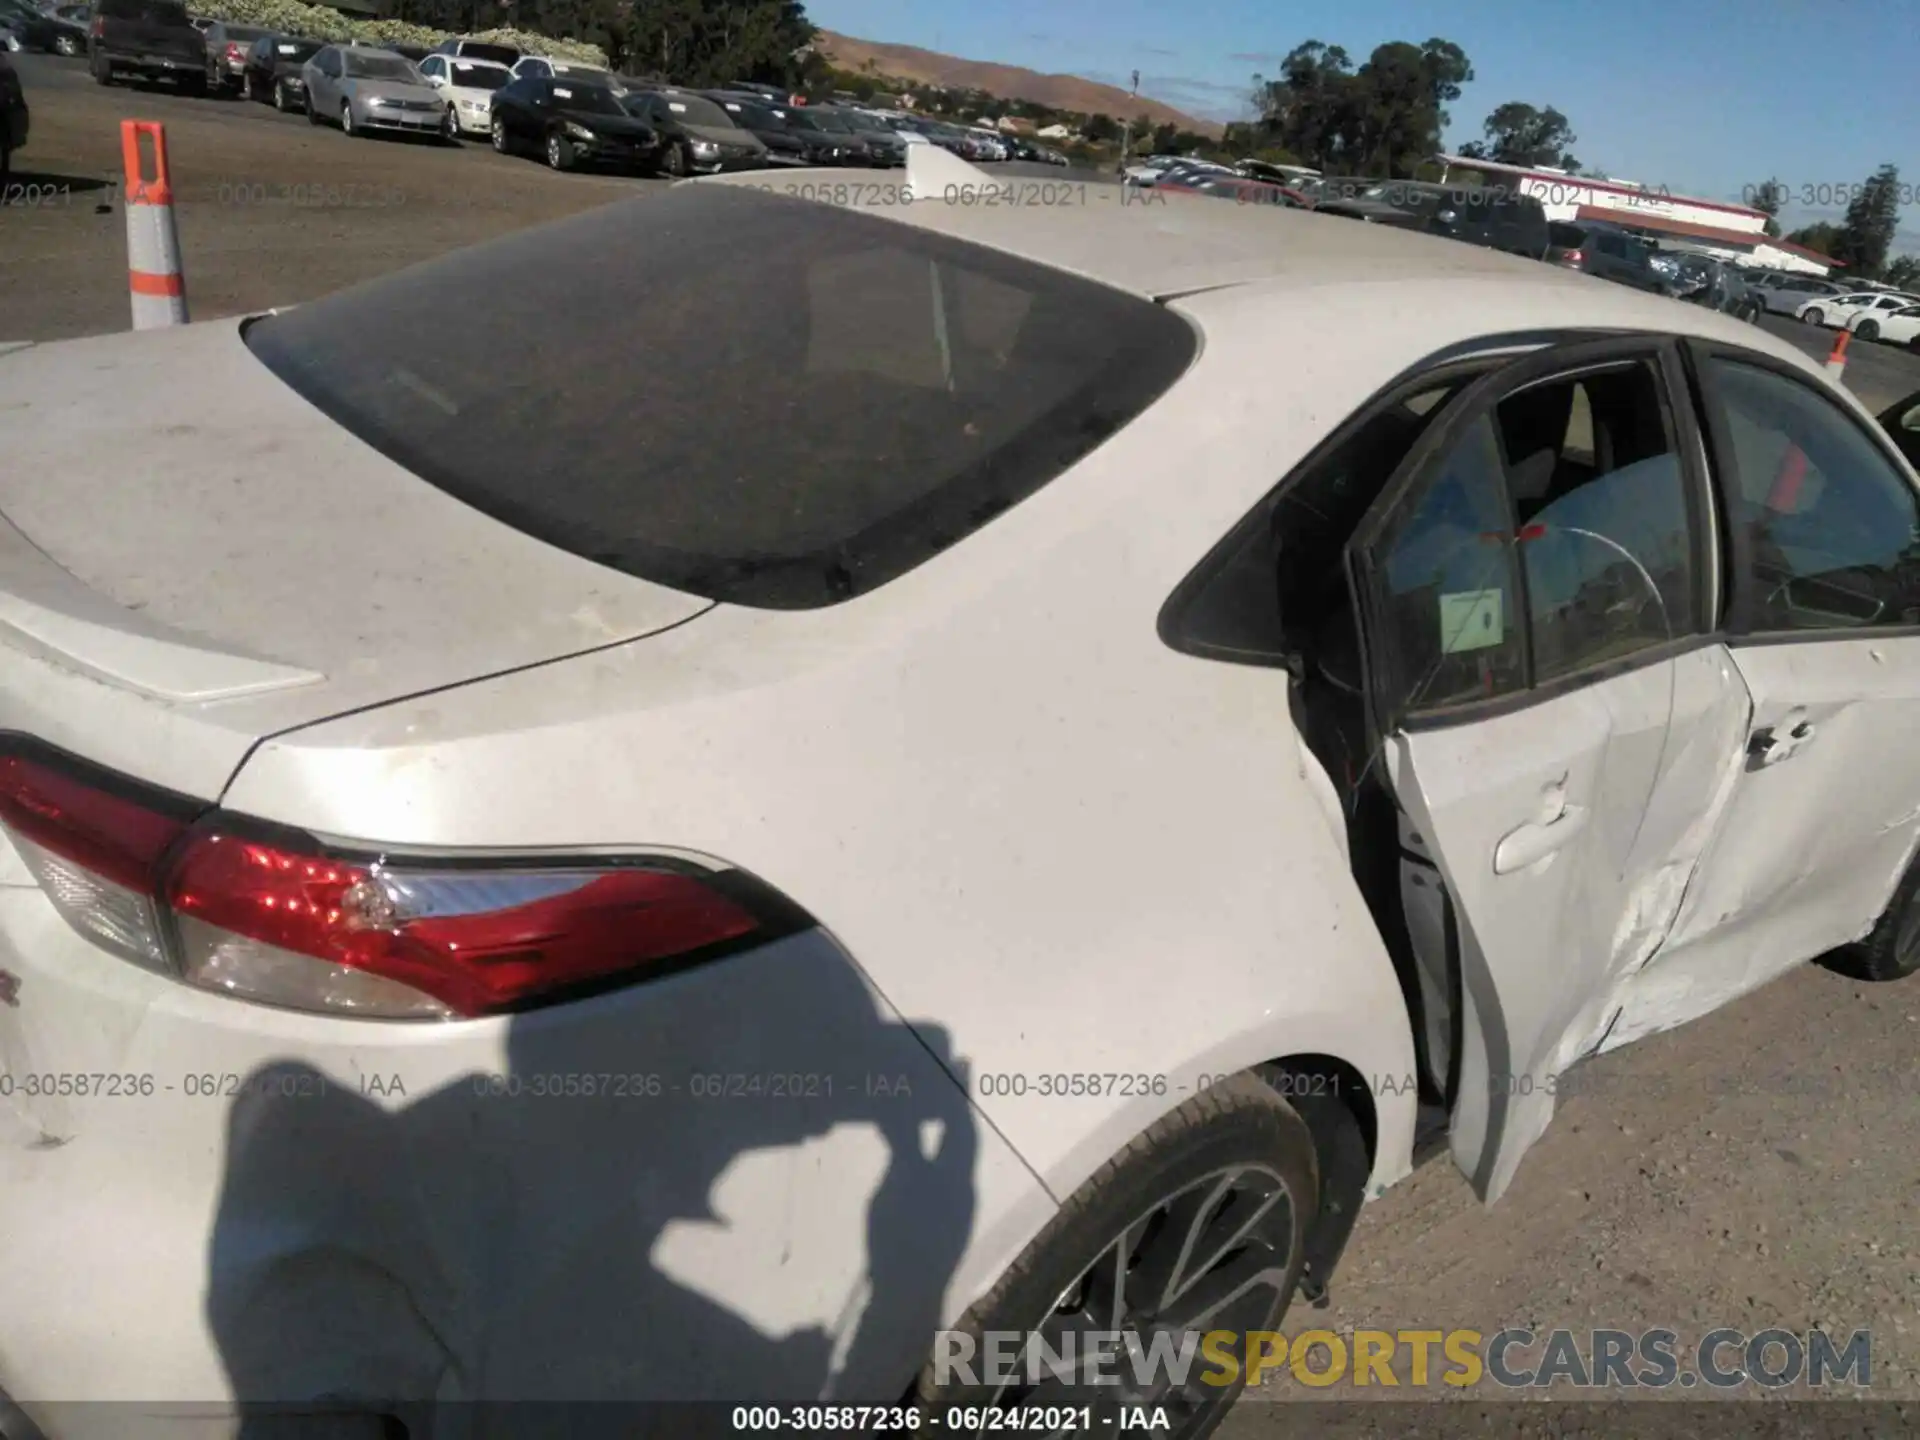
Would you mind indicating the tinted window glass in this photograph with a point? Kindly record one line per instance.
(693, 110)
(1444, 579)
(1572, 237)
(1605, 534)
(156, 12)
(478, 76)
(1832, 527)
(588, 99)
(480, 50)
(744, 396)
(379, 67)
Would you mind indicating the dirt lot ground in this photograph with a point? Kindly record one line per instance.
(1760, 1168)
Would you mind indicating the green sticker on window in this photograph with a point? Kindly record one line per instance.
(1471, 620)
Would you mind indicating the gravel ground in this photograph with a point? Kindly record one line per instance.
(1758, 1168)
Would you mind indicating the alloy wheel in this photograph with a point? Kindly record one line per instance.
(499, 138)
(1215, 1255)
(346, 116)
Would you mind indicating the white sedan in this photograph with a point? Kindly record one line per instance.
(468, 86)
(1841, 311)
(1899, 326)
(590, 902)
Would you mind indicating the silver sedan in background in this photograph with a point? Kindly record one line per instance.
(363, 89)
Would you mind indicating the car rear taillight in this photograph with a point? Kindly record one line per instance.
(99, 27)
(1573, 257)
(236, 51)
(279, 917)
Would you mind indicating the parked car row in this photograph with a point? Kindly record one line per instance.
(567, 113)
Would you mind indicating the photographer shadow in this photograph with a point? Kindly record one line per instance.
(502, 1257)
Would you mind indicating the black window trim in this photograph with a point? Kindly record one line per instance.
(1467, 359)
(1737, 628)
(1480, 398)
(1517, 359)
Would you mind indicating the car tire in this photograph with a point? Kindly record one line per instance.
(1815, 316)
(66, 45)
(280, 100)
(450, 132)
(346, 119)
(1914, 344)
(501, 145)
(1866, 330)
(1170, 1182)
(674, 164)
(559, 152)
(313, 115)
(1891, 950)
(102, 70)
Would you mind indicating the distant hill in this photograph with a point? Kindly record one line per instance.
(1006, 82)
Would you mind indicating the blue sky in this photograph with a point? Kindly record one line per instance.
(1703, 96)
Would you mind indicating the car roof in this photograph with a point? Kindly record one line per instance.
(1186, 245)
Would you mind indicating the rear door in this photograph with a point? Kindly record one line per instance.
(1555, 717)
(1824, 530)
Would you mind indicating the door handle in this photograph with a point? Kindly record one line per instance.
(1531, 844)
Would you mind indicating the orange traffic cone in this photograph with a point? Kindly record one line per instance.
(1837, 357)
(158, 288)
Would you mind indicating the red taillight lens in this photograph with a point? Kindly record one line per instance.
(236, 52)
(279, 918)
(99, 27)
(473, 941)
(1575, 257)
(120, 840)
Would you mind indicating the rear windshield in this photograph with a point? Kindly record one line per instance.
(244, 32)
(1571, 236)
(153, 12)
(296, 49)
(736, 393)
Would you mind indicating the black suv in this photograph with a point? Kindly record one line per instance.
(151, 38)
(1493, 216)
(1606, 252)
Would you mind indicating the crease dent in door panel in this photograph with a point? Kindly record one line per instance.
(1657, 903)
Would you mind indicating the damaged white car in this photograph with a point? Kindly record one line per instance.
(936, 767)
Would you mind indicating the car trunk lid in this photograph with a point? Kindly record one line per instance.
(192, 557)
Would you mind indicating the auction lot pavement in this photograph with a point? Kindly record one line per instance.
(1759, 1168)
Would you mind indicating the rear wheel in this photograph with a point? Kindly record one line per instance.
(1868, 330)
(1892, 950)
(280, 101)
(1815, 316)
(102, 69)
(66, 45)
(559, 152)
(500, 145)
(1198, 1225)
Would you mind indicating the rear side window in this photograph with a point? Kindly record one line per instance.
(745, 396)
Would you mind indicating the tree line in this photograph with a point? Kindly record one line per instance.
(1862, 239)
